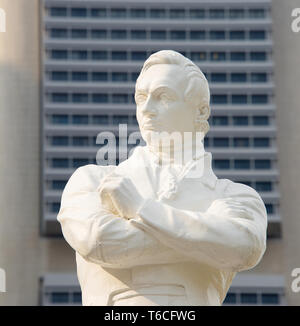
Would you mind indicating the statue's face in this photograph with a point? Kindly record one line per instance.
(160, 101)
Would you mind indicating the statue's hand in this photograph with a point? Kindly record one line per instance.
(119, 195)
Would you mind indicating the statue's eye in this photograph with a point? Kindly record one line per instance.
(164, 97)
(140, 98)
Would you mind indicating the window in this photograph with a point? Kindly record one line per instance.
(177, 35)
(237, 35)
(137, 56)
(259, 99)
(59, 54)
(138, 34)
(198, 56)
(230, 298)
(99, 55)
(117, 119)
(99, 98)
(217, 35)
(258, 56)
(257, 35)
(256, 13)
(120, 98)
(79, 76)
(80, 98)
(134, 76)
(55, 207)
(221, 164)
(158, 35)
(79, 55)
(80, 119)
(59, 75)
(60, 141)
(270, 209)
(216, 13)
(250, 298)
(59, 33)
(60, 163)
(220, 121)
(119, 76)
(177, 13)
(238, 77)
(197, 35)
(219, 99)
(261, 142)
(270, 298)
(119, 55)
(242, 164)
(98, 33)
(260, 120)
(99, 76)
(206, 142)
(118, 34)
(218, 77)
(239, 99)
(157, 13)
(77, 162)
(98, 12)
(58, 12)
(236, 13)
(58, 184)
(78, 12)
(100, 119)
(60, 97)
(241, 142)
(118, 13)
(60, 119)
(76, 297)
(262, 164)
(79, 33)
(138, 13)
(237, 56)
(80, 141)
(258, 77)
(263, 186)
(221, 142)
(197, 13)
(240, 121)
(218, 56)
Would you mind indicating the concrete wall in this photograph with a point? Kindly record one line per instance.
(287, 78)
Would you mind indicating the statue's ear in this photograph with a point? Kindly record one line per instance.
(203, 112)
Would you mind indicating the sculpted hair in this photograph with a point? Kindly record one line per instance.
(197, 87)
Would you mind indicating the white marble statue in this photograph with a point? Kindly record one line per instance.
(147, 232)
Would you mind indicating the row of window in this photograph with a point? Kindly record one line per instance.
(101, 76)
(243, 164)
(214, 142)
(219, 164)
(131, 120)
(143, 55)
(142, 34)
(252, 298)
(64, 298)
(159, 13)
(84, 119)
(218, 99)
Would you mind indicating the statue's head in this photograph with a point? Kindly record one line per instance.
(172, 95)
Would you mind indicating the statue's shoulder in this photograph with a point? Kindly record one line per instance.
(230, 188)
(88, 177)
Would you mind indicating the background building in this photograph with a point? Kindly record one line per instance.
(82, 59)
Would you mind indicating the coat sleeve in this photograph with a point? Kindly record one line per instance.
(229, 235)
(100, 236)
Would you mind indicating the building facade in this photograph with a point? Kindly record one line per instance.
(91, 53)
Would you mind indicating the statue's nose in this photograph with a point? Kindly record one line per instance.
(148, 108)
